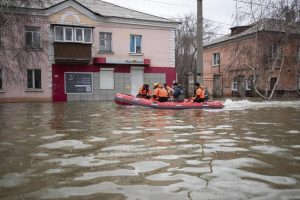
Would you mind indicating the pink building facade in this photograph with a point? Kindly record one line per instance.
(93, 53)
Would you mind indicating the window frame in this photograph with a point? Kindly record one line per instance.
(248, 84)
(1, 39)
(298, 53)
(105, 42)
(135, 44)
(1, 79)
(74, 34)
(32, 31)
(72, 31)
(273, 51)
(214, 59)
(234, 86)
(33, 79)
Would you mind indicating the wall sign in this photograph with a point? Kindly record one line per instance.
(78, 83)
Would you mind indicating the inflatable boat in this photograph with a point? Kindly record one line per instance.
(125, 99)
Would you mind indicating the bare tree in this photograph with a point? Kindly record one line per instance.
(23, 36)
(185, 50)
(266, 55)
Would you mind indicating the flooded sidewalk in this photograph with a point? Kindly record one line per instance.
(99, 150)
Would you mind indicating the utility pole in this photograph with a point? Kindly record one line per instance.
(199, 39)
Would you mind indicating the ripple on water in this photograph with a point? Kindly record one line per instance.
(126, 148)
(257, 139)
(293, 131)
(75, 144)
(96, 139)
(179, 127)
(118, 172)
(120, 132)
(52, 136)
(174, 157)
(39, 154)
(13, 180)
(269, 149)
(147, 166)
(88, 161)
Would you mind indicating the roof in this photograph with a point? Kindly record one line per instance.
(96, 6)
(271, 25)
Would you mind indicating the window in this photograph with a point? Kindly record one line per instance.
(33, 37)
(68, 34)
(0, 39)
(78, 35)
(1, 79)
(234, 86)
(105, 42)
(59, 33)
(216, 59)
(34, 79)
(135, 44)
(298, 54)
(273, 51)
(87, 35)
(107, 79)
(73, 34)
(248, 84)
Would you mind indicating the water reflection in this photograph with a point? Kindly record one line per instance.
(104, 151)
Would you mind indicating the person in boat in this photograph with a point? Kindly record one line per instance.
(169, 90)
(178, 95)
(206, 95)
(160, 93)
(144, 92)
(199, 93)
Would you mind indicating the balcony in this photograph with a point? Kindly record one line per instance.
(72, 53)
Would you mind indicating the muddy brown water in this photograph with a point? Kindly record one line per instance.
(248, 150)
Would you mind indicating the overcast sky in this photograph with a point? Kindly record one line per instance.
(220, 12)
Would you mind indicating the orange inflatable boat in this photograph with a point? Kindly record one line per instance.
(125, 99)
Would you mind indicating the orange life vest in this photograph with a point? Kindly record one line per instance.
(160, 92)
(200, 93)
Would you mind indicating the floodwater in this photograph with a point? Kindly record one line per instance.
(84, 150)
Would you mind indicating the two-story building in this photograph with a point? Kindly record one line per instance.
(232, 61)
(93, 50)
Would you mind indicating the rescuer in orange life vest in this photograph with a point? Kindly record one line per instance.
(160, 93)
(144, 92)
(199, 93)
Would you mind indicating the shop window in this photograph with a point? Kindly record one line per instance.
(78, 83)
(34, 79)
(1, 79)
(73, 34)
(33, 37)
(234, 86)
(135, 44)
(105, 42)
(107, 81)
(216, 59)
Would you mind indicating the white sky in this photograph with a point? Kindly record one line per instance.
(220, 12)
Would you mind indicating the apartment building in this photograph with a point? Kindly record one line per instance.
(235, 61)
(92, 50)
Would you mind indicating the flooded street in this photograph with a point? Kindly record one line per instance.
(83, 150)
